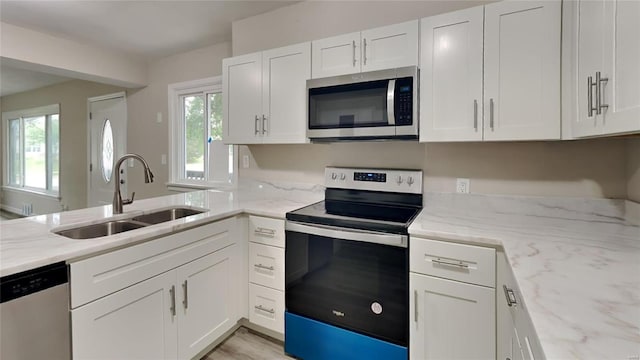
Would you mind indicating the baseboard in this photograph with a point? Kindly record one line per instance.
(274, 335)
(220, 340)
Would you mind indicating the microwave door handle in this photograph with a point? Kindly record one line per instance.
(391, 95)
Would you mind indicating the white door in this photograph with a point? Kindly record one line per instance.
(107, 142)
(450, 319)
(451, 76)
(589, 42)
(134, 323)
(622, 67)
(522, 70)
(206, 301)
(338, 55)
(285, 72)
(390, 46)
(242, 99)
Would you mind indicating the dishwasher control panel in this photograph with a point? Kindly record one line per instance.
(32, 281)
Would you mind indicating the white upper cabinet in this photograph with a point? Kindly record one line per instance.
(242, 98)
(451, 76)
(608, 70)
(491, 73)
(264, 96)
(376, 49)
(338, 55)
(522, 70)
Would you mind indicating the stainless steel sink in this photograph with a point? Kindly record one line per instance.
(166, 215)
(101, 229)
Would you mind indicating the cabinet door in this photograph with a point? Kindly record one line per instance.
(242, 99)
(622, 67)
(206, 305)
(285, 72)
(589, 43)
(134, 323)
(451, 76)
(338, 55)
(450, 319)
(522, 70)
(390, 46)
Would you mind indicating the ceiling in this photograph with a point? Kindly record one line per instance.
(146, 29)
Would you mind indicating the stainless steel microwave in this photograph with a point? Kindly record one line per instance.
(377, 105)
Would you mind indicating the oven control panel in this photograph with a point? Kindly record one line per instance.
(389, 180)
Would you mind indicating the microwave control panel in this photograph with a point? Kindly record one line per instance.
(404, 101)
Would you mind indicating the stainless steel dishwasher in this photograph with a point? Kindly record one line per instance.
(34, 314)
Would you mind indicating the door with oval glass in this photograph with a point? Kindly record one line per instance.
(107, 142)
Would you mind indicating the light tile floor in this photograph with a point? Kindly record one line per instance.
(244, 344)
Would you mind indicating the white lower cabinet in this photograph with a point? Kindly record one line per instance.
(452, 312)
(450, 319)
(175, 314)
(134, 323)
(266, 307)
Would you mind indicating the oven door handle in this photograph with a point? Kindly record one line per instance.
(350, 234)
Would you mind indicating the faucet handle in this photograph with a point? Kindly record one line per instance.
(129, 201)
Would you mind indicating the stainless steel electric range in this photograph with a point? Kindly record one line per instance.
(347, 267)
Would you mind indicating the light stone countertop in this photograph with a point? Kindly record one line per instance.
(29, 243)
(576, 262)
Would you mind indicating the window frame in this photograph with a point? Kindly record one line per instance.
(47, 111)
(176, 92)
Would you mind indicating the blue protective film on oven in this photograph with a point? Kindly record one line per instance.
(313, 340)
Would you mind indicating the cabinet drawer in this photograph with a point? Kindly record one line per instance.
(266, 307)
(101, 275)
(467, 263)
(266, 231)
(266, 266)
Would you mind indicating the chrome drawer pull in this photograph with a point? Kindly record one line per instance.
(185, 301)
(460, 264)
(509, 294)
(260, 266)
(475, 115)
(270, 311)
(265, 232)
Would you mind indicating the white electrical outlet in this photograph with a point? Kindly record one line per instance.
(159, 117)
(245, 161)
(163, 159)
(462, 186)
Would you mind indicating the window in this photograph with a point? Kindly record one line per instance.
(32, 160)
(198, 156)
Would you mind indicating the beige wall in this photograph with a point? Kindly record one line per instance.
(146, 136)
(312, 20)
(633, 169)
(588, 168)
(72, 97)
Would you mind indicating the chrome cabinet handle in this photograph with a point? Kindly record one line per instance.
(598, 84)
(264, 124)
(185, 301)
(354, 53)
(511, 297)
(460, 264)
(415, 305)
(172, 294)
(364, 51)
(475, 114)
(590, 85)
(260, 266)
(491, 113)
(265, 232)
(257, 125)
(259, 307)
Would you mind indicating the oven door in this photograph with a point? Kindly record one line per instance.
(356, 280)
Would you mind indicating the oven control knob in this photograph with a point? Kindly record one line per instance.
(410, 180)
(334, 176)
(343, 177)
(399, 180)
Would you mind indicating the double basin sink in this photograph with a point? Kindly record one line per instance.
(113, 227)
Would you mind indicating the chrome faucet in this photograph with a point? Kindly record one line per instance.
(117, 197)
